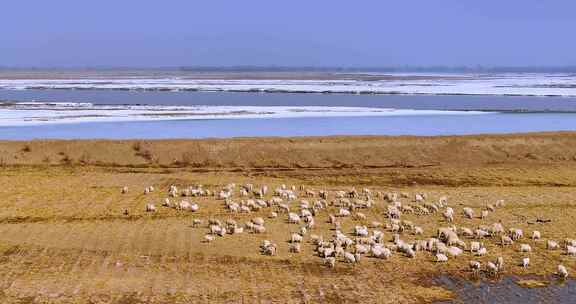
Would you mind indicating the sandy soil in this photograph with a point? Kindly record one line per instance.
(64, 237)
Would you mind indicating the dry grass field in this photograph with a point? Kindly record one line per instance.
(64, 237)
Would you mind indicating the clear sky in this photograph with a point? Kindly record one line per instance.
(72, 33)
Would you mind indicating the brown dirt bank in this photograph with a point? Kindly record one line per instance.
(516, 159)
(303, 152)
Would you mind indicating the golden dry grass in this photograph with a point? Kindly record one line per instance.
(64, 239)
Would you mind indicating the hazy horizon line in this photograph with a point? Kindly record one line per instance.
(288, 68)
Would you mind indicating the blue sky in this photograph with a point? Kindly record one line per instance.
(72, 33)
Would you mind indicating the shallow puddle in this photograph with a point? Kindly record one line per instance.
(507, 290)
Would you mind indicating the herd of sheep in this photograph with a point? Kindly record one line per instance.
(294, 205)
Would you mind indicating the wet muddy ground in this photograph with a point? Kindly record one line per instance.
(507, 290)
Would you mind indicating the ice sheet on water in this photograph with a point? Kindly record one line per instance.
(35, 113)
(524, 84)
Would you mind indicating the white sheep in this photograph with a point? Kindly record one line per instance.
(552, 245)
(124, 190)
(491, 268)
(294, 248)
(150, 208)
(571, 250)
(500, 263)
(448, 215)
(525, 262)
(194, 207)
(454, 251)
(525, 248)
(418, 230)
(468, 212)
(259, 229)
(293, 218)
(351, 258)
(562, 272)
(475, 246)
(515, 233)
(441, 258)
(536, 235)
(330, 262)
(506, 240)
(343, 212)
(481, 252)
(295, 238)
(258, 221)
(475, 266)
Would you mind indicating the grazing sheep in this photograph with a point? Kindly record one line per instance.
(467, 232)
(343, 212)
(259, 229)
(475, 246)
(418, 230)
(515, 234)
(484, 214)
(258, 221)
(150, 208)
(525, 262)
(124, 190)
(208, 238)
(562, 272)
(506, 240)
(525, 248)
(295, 238)
(468, 212)
(183, 205)
(475, 266)
(166, 203)
(194, 207)
(418, 198)
(454, 251)
(571, 250)
(481, 252)
(536, 235)
(294, 248)
(361, 231)
(500, 263)
(381, 252)
(293, 218)
(441, 258)
(492, 269)
(361, 249)
(496, 229)
(197, 222)
(350, 258)
(268, 248)
(552, 245)
(448, 215)
(330, 262)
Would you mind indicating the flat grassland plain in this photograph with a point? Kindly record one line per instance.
(64, 237)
